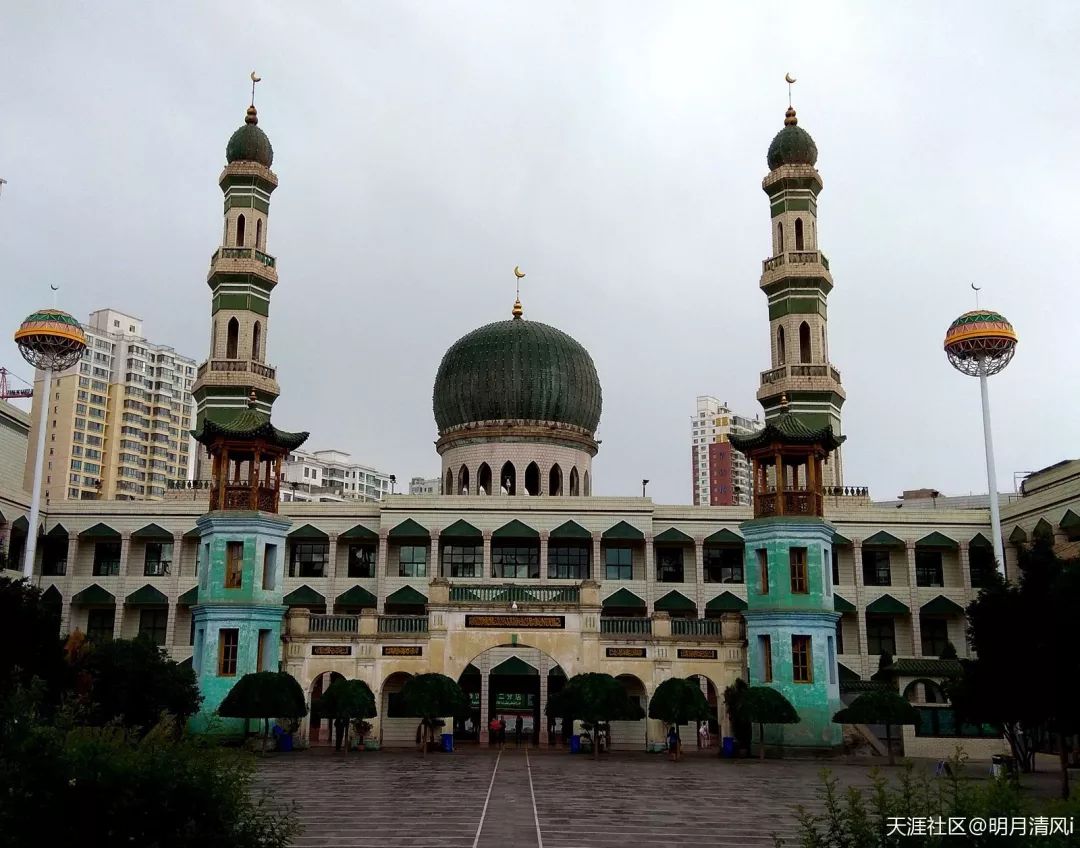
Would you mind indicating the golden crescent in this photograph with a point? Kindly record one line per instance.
(789, 78)
(518, 272)
(255, 78)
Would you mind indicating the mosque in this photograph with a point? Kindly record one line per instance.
(516, 577)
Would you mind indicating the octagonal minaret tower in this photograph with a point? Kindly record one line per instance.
(241, 278)
(797, 282)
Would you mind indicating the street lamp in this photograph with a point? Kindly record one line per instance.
(393, 482)
(51, 340)
(981, 343)
(644, 483)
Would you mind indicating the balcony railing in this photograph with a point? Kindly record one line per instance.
(795, 257)
(333, 623)
(788, 502)
(695, 627)
(240, 365)
(846, 491)
(156, 569)
(243, 253)
(515, 594)
(403, 623)
(625, 626)
(798, 370)
(107, 568)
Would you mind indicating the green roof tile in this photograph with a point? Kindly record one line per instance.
(941, 606)
(787, 428)
(791, 146)
(937, 540)
(925, 667)
(461, 529)
(882, 539)
(726, 602)
(147, 596)
(1069, 521)
(674, 535)
(842, 604)
(623, 532)
(409, 529)
(887, 605)
(99, 531)
(190, 598)
(837, 539)
(152, 531)
(1017, 536)
(516, 667)
(570, 530)
(248, 424)
(406, 595)
(304, 596)
(250, 144)
(724, 537)
(357, 596)
(1043, 530)
(307, 531)
(359, 532)
(94, 596)
(58, 532)
(674, 602)
(623, 598)
(515, 530)
(980, 541)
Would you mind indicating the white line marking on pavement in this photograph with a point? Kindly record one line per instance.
(487, 800)
(532, 794)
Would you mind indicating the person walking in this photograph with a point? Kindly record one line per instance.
(518, 726)
(704, 735)
(339, 732)
(502, 733)
(493, 728)
(673, 744)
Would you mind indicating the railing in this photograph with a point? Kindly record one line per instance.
(795, 502)
(797, 257)
(238, 365)
(243, 253)
(53, 569)
(847, 491)
(333, 623)
(625, 626)
(238, 496)
(263, 370)
(695, 627)
(403, 623)
(107, 568)
(156, 569)
(798, 370)
(515, 594)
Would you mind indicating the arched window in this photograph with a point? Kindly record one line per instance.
(532, 479)
(780, 238)
(448, 489)
(804, 342)
(463, 480)
(587, 485)
(240, 223)
(508, 479)
(483, 479)
(232, 340)
(781, 354)
(555, 481)
(213, 340)
(813, 235)
(258, 234)
(824, 351)
(225, 234)
(575, 489)
(798, 234)
(256, 341)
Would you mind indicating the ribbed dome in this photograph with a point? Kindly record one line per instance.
(792, 145)
(517, 370)
(249, 143)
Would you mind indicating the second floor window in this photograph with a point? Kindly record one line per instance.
(99, 624)
(158, 560)
(799, 584)
(228, 648)
(618, 563)
(361, 560)
(412, 561)
(875, 568)
(928, 569)
(152, 624)
(669, 565)
(880, 635)
(982, 567)
(801, 660)
(723, 565)
(515, 561)
(935, 636)
(763, 571)
(234, 565)
(309, 559)
(569, 562)
(106, 559)
(463, 560)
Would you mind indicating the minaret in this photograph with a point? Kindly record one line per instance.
(797, 282)
(241, 278)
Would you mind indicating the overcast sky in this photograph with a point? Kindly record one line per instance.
(613, 150)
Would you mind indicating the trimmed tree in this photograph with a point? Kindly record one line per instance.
(346, 700)
(596, 699)
(741, 729)
(677, 701)
(763, 705)
(883, 707)
(432, 696)
(265, 695)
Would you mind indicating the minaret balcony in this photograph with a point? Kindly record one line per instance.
(237, 365)
(794, 502)
(785, 372)
(244, 253)
(796, 263)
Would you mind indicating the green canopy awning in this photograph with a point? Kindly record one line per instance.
(557, 672)
(941, 606)
(623, 532)
(674, 602)
(147, 596)
(1043, 530)
(307, 532)
(515, 666)
(887, 605)
(51, 597)
(357, 596)
(461, 529)
(193, 533)
(409, 529)
(360, 532)
(726, 602)
(94, 596)
(623, 598)
(842, 604)
(99, 531)
(837, 539)
(570, 530)
(406, 595)
(724, 537)
(980, 541)
(673, 535)
(937, 540)
(22, 524)
(515, 530)
(882, 539)
(470, 669)
(925, 667)
(189, 598)
(1017, 536)
(1069, 521)
(846, 673)
(152, 531)
(304, 596)
(58, 532)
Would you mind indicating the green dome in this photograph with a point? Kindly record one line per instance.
(792, 145)
(517, 370)
(249, 143)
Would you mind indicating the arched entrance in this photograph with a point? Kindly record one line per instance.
(631, 735)
(320, 730)
(716, 703)
(398, 730)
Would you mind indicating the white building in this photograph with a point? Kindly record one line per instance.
(425, 486)
(720, 475)
(331, 475)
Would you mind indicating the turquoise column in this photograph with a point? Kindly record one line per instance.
(249, 615)
(775, 614)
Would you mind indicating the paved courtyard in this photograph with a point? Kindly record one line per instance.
(478, 799)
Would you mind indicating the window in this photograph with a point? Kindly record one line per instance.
(765, 649)
(928, 571)
(240, 231)
(804, 342)
(840, 635)
(515, 561)
(935, 635)
(799, 584)
(232, 340)
(568, 562)
(826, 572)
(412, 561)
(618, 563)
(260, 657)
(763, 571)
(258, 234)
(152, 623)
(781, 354)
(669, 565)
(234, 565)
(361, 560)
(463, 560)
(309, 559)
(875, 568)
(228, 646)
(723, 565)
(981, 565)
(942, 721)
(779, 238)
(106, 559)
(256, 335)
(99, 624)
(835, 567)
(158, 559)
(880, 635)
(269, 575)
(832, 660)
(801, 668)
(798, 234)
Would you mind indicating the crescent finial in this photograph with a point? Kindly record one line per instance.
(789, 79)
(518, 272)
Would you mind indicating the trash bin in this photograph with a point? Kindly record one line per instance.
(729, 746)
(575, 744)
(284, 742)
(997, 765)
(448, 742)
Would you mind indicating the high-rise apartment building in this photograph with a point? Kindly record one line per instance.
(425, 486)
(721, 475)
(331, 475)
(118, 421)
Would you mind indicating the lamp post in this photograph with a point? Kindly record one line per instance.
(981, 343)
(393, 483)
(644, 483)
(50, 340)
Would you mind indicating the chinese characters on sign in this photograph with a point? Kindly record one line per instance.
(994, 826)
(331, 650)
(402, 651)
(638, 653)
(697, 653)
(520, 622)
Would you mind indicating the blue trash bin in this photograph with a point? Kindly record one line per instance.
(448, 742)
(575, 744)
(284, 743)
(729, 746)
